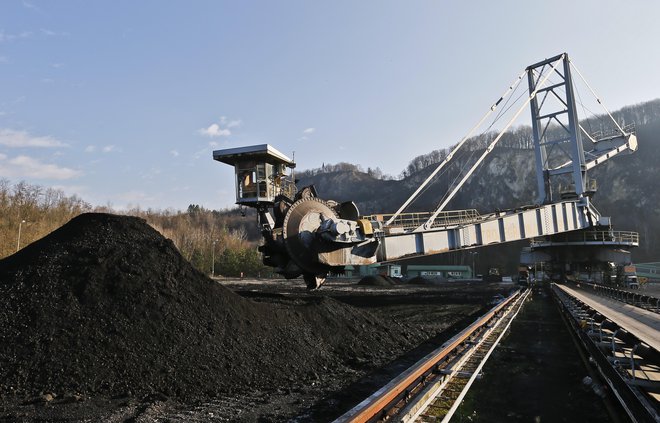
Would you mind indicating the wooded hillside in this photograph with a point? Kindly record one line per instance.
(201, 235)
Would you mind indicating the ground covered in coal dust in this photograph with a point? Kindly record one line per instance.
(103, 320)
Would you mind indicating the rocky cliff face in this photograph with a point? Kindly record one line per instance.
(628, 185)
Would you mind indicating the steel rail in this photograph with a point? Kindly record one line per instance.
(519, 303)
(443, 395)
(375, 404)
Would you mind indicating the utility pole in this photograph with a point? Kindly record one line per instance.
(213, 259)
(474, 269)
(18, 243)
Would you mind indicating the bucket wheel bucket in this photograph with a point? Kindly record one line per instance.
(313, 281)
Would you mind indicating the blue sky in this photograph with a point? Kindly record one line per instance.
(123, 102)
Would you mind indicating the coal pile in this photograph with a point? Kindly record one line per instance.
(377, 280)
(105, 305)
(432, 280)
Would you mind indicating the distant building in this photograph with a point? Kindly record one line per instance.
(411, 270)
(445, 271)
(390, 269)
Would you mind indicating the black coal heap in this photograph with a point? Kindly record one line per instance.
(107, 305)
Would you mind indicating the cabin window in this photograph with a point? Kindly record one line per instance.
(256, 181)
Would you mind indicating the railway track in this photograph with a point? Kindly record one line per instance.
(432, 389)
(622, 341)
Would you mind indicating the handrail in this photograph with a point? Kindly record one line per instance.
(613, 237)
(414, 220)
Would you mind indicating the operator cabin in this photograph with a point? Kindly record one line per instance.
(260, 173)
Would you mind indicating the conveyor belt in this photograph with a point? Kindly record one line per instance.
(644, 324)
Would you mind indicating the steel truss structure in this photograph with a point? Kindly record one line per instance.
(304, 235)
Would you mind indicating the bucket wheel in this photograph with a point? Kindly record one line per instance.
(299, 232)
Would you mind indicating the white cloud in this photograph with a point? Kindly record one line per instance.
(105, 149)
(29, 167)
(199, 153)
(151, 173)
(50, 33)
(11, 37)
(214, 130)
(4, 59)
(222, 128)
(214, 144)
(57, 65)
(174, 153)
(29, 5)
(230, 123)
(307, 131)
(21, 139)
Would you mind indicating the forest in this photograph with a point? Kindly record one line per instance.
(224, 238)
